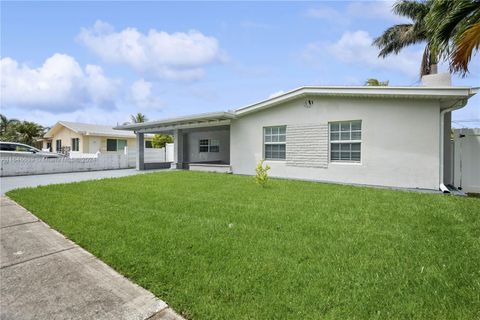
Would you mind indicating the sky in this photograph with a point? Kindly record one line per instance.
(100, 62)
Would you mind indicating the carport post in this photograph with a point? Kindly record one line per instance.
(177, 149)
(140, 163)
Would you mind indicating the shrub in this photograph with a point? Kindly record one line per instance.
(261, 176)
(159, 140)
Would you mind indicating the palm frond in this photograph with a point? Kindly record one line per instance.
(395, 38)
(415, 10)
(449, 19)
(465, 45)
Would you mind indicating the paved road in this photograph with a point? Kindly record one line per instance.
(10, 183)
(46, 276)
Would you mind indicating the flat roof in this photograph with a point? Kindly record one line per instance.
(195, 119)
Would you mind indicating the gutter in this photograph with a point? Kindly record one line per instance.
(453, 107)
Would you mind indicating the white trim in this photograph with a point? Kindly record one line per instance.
(274, 142)
(341, 141)
(202, 119)
(365, 91)
(209, 145)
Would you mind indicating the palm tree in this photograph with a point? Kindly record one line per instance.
(456, 31)
(138, 118)
(28, 132)
(6, 124)
(372, 82)
(399, 36)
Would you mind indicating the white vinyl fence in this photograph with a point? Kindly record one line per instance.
(466, 161)
(18, 166)
(152, 155)
(81, 155)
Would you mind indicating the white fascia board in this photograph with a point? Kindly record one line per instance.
(53, 129)
(199, 118)
(171, 127)
(113, 135)
(364, 91)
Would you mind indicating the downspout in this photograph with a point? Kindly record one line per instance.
(453, 107)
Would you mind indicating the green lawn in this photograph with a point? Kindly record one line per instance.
(217, 246)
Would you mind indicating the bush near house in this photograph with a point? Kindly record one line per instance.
(219, 247)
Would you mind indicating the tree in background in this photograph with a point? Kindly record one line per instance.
(20, 131)
(372, 82)
(159, 140)
(138, 118)
(400, 36)
(28, 132)
(7, 128)
(456, 31)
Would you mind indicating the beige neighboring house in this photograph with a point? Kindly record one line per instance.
(66, 137)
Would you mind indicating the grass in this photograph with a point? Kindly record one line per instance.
(218, 246)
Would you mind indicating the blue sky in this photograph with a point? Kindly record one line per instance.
(99, 62)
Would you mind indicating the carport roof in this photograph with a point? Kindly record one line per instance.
(191, 121)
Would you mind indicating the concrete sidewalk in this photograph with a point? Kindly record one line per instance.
(45, 276)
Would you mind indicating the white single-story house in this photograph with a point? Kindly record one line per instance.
(385, 136)
(66, 136)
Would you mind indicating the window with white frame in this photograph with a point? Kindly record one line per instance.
(58, 145)
(75, 144)
(274, 139)
(116, 144)
(345, 141)
(214, 146)
(209, 145)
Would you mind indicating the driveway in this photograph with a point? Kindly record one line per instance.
(10, 183)
(46, 276)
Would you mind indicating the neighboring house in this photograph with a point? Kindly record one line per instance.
(67, 136)
(386, 136)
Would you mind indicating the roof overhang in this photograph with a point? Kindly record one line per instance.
(434, 93)
(203, 120)
(447, 96)
(55, 128)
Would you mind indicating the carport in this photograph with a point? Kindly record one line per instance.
(201, 142)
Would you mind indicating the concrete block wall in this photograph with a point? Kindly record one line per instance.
(307, 146)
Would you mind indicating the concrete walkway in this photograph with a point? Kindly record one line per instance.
(45, 276)
(10, 183)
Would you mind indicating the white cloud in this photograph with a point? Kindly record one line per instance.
(59, 84)
(142, 97)
(179, 56)
(374, 10)
(276, 94)
(356, 48)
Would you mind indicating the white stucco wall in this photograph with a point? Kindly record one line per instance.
(191, 146)
(400, 140)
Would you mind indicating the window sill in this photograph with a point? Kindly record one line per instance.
(348, 163)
